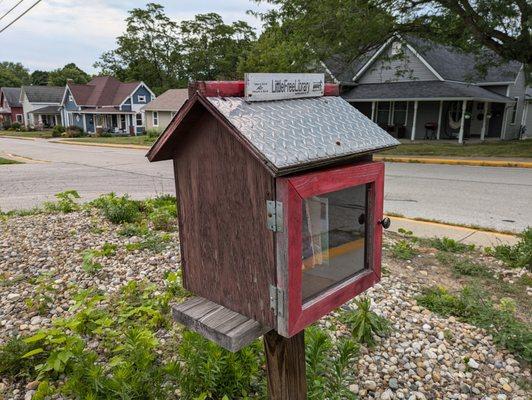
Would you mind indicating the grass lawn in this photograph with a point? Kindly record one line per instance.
(36, 134)
(521, 148)
(137, 140)
(4, 161)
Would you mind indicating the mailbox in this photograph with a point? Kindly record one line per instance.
(280, 203)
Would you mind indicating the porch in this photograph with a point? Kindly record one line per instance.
(46, 117)
(434, 110)
(115, 122)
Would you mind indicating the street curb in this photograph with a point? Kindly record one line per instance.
(474, 163)
(111, 145)
(17, 137)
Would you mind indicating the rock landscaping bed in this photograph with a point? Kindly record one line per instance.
(84, 294)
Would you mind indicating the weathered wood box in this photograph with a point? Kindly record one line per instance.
(280, 203)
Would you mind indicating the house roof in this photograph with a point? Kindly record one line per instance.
(46, 110)
(101, 91)
(171, 100)
(12, 95)
(106, 110)
(422, 90)
(43, 94)
(288, 135)
(449, 62)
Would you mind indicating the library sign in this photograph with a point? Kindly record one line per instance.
(265, 87)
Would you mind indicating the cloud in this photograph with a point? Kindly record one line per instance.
(57, 32)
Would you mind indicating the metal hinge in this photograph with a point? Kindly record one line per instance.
(275, 215)
(277, 300)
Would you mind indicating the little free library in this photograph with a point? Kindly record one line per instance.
(280, 211)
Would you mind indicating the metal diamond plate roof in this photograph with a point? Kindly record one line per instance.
(294, 132)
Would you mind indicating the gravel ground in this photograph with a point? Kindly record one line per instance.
(423, 357)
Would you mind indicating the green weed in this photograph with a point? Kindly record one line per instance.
(155, 243)
(134, 229)
(463, 266)
(450, 245)
(473, 306)
(66, 202)
(365, 323)
(117, 209)
(403, 250)
(518, 255)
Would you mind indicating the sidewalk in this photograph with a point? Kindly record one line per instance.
(471, 161)
(425, 229)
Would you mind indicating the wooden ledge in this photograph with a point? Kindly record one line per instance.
(229, 329)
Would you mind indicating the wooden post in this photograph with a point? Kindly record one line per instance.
(484, 121)
(414, 120)
(439, 120)
(373, 111)
(462, 123)
(285, 360)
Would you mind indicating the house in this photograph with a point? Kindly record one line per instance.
(40, 106)
(418, 89)
(106, 105)
(10, 107)
(526, 121)
(159, 112)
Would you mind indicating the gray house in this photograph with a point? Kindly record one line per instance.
(418, 89)
(40, 105)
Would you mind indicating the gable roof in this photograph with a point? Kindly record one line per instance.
(101, 91)
(171, 100)
(286, 135)
(448, 62)
(43, 94)
(12, 95)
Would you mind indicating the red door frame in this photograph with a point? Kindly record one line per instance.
(292, 191)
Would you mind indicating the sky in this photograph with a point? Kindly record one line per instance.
(57, 32)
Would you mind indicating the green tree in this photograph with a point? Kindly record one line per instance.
(164, 53)
(147, 51)
(59, 77)
(39, 78)
(13, 74)
(213, 49)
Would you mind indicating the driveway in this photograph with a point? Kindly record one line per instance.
(498, 198)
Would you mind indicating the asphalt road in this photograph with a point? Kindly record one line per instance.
(499, 198)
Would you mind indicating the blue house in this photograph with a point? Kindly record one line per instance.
(106, 105)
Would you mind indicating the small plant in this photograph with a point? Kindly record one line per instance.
(12, 363)
(155, 243)
(118, 209)
(365, 323)
(65, 202)
(403, 250)
(162, 219)
(73, 131)
(450, 245)
(463, 266)
(329, 376)
(518, 255)
(89, 265)
(134, 229)
(153, 133)
(473, 306)
(58, 130)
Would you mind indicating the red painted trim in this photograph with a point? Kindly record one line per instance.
(331, 89)
(316, 183)
(236, 89)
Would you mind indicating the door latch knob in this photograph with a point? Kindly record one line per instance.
(385, 222)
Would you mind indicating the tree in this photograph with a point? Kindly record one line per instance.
(59, 77)
(39, 78)
(13, 74)
(164, 53)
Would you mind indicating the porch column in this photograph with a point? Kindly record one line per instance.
(439, 120)
(84, 116)
(414, 119)
(373, 111)
(127, 124)
(391, 113)
(484, 121)
(462, 123)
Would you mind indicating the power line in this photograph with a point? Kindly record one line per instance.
(11, 9)
(20, 16)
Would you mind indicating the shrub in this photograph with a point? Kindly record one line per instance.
(163, 219)
(73, 131)
(118, 209)
(134, 229)
(518, 255)
(12, 364)
(58, 130)
(473, 306)
(450, 245)
(153, 133)
(6, 124)
(403, 250)
(66, 202)
(364, 323)
(15, 126)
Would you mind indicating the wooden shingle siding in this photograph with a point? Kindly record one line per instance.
(404, 69)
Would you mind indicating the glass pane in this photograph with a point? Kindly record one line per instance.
(334, 238)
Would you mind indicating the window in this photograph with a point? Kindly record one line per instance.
(383, 113)
(70, 98)
(19, 118)
(333, 239)
(139, 119)
(141, 98)
(513, 111)
(396, 48)
(155, 118)
(399, 113)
